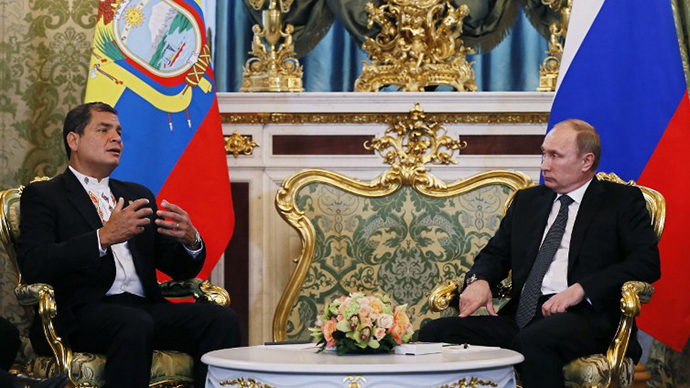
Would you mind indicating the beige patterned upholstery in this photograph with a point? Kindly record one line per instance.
(17, 301)
(401, 244)
(593, 372)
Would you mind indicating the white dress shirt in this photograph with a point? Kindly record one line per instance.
(556, 278)
(126, 278)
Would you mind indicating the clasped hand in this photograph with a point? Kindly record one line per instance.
(127, 222)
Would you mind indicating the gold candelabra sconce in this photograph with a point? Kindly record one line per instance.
(273, 67)
(419, 45)
(550, 67)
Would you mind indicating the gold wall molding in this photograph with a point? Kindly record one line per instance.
(384, 118)
(237, 144)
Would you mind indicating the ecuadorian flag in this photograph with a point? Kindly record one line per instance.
(152, 62)
(622, 72)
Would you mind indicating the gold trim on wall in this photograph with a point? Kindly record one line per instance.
(384, 118)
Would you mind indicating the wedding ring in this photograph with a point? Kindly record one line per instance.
(177, 226)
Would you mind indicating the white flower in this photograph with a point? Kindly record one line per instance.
(384, 321)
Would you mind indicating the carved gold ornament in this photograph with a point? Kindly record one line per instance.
(237, 144)
(245, 383)
(384, 118)
(272, 70)
(419, 45)
(548, 70)
(354, 381)
(413, 142)
(472, 383)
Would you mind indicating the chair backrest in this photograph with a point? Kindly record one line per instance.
(9, 270)
(401, 233)
(656, 204)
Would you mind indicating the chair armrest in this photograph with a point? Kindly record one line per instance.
(447, 294)
(444, 296)
(44, 296)
(202, 291)
(633, 295)
(30, 294)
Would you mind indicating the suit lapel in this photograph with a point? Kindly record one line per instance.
(588, 208)
(542, 209)
(80, 199)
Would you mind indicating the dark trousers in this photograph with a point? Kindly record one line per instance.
(127, 328)
(547, 343)
(9, 346)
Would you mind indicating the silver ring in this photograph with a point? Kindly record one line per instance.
(177, 226)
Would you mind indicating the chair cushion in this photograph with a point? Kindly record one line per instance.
(88, 368)
(592, 371)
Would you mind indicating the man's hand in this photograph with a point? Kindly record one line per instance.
(126, 223)
(560, 302)
(476, 295)
(176, 223)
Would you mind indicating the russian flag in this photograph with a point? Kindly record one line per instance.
(622, 72)
(151, 61)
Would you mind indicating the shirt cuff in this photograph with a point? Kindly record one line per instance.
(101, 251)
(194, 252)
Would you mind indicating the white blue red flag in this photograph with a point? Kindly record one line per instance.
(622, 72)
(152, 62)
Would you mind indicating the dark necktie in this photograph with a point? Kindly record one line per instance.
(532, 290)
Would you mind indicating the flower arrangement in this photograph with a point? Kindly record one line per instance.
(362, 324)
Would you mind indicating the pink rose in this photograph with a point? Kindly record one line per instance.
(380, 333)
(327, 329)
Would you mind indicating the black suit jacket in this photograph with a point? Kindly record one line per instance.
(612, 242)
(58, 245)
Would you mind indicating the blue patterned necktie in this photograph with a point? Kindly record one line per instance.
(532, 290)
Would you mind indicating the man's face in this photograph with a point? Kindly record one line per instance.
(97, 151)
(562, 167)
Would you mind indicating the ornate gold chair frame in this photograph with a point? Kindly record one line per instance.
(43, 295)
(408, 146)
(610, 370)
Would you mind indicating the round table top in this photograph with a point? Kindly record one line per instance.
(303, 359)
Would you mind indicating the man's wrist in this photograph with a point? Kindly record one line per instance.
(196, 245)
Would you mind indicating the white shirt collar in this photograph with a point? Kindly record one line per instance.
(578, 193)
(90, 183)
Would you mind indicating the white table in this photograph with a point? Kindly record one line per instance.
(293, 366)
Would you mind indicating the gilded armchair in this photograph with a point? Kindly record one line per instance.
(19, 301)
(397, 234)
(612, 369)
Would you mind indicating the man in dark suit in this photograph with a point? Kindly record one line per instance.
(571, 243)
(98, 242)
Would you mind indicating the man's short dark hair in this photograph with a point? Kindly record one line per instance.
(78, 118)
(587, 139)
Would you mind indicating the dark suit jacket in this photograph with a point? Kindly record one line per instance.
(612, 242)
(58, 245)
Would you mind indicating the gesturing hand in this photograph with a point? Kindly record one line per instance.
(125, 223)
(176, 223)
(476, 295)
(560, 302)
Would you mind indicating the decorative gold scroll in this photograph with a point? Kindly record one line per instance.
(237, 144)
(384, 118)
